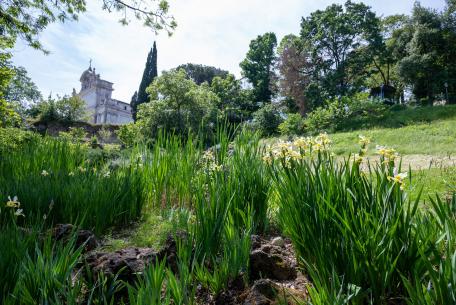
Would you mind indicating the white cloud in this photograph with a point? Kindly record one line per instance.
(209, 32)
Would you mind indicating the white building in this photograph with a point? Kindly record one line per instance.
(101, 107)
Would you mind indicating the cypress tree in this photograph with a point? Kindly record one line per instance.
(134, 100)
(150, 72)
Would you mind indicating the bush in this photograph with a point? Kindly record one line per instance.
(266, 120)
(15, 138)
(129, 134)
(346, 113)
(75, 135)
(293, 125)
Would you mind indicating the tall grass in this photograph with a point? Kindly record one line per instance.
(56, 179)
(342, 220)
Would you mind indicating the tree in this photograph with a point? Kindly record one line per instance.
(149, 74)
(68, 109)
(21, 89)
(258, 66)
(234, 102)
(333, 37)
(26, 19)
(177, 105)
(426, 65)
(295, 67)
(200, 73)
(8, 117)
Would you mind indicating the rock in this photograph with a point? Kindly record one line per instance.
(272, 262)
(63, 232)
(131, 261)
(266, 292)
(278, 241)
(255, 241)
(127, 263)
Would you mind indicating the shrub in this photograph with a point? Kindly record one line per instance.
(75, 134)
(105, 134)
(293, 125)
(15, 138)
(129, 134)
(345, 113)
(266, 120)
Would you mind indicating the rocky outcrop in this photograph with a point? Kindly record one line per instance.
(129, 262)
(64, 232)
(268, 292)
(125, 263)
(274, 260)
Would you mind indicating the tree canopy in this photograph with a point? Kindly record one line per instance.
(258, 66)
(149, 74)
(177, 105)
(201, 73)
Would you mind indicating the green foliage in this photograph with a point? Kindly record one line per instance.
(177, 106)
(75, 135)
(293, 125)
(105, 133)
(437, 284)
(12, 139)
(258, 65)
(57, 175)
(67, 109)
(129, 134)
(266, 120)
(148, 289)
(345, 114)
(16, 244)
(8, 116)
(347, 222)
(149, 74)
(234, 102)
(22, 89)
(200, 73)
(46, 275)
(334, 37)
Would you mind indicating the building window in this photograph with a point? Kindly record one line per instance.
(125, 107)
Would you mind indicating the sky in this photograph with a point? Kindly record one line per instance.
(209, 32)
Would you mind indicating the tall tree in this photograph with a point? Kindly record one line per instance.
(234, 102)
(333, 37)
(430, 52)
(295, 68)
(21, 89)
(177, 105)
(200, 73)
(258, 66)
(149, 74)
(8, 117)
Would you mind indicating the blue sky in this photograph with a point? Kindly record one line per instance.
(211, 32)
